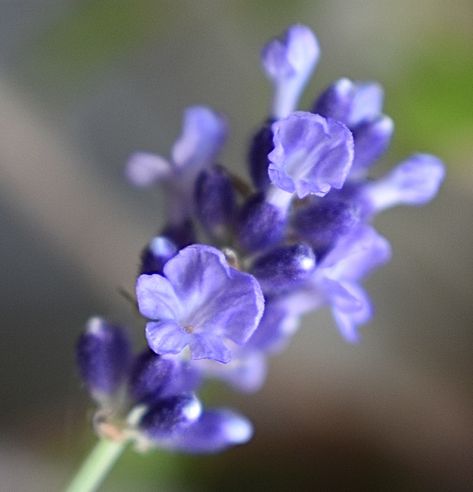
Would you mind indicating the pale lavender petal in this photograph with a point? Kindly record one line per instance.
(275, 330)
(289, 61)
(371, 141)
(208, 346)
(350, 102)
(356, 254)
(414, 181)
(351, 309)
(166, 337)
(367, 103)
(311, 154)
(203, 135)
(218, 299)
(144, 169)
(156, 297)
(215, 431)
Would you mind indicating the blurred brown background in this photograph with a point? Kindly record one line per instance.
(83, 84)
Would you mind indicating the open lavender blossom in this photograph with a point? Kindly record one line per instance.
(199, 302)
(311, 154)
(225, 283)
(288, 61)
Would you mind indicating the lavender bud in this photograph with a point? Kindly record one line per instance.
(153, 258)
(259, 224)
(284, 267)
(181, 234)
(324, 221)
(215, 199)
(169, 416)
(154, 377)
(261, 146)
(350, 102)
(103, 356)
(372, 138)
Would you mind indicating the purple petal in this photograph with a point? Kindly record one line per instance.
(218, 299)
(157, 298)
(311, 154)
(213, 432)
(289, 61)
(351, 307)
(144, 169)
(350, 102)
(246, 372)
(207, 346)
(203, 135)
(367, 103)
(166, 337)
(414, 181)
(371, 141)
(275, 330)
(356, 254)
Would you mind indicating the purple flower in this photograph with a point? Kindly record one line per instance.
(354, 256)
(199, 302)
(154, 377)
(350, 102)
(359, 106)
(336, 280)
(214, 431)
(289, 61)
(203, 135)
(311, 154)
(414, 181)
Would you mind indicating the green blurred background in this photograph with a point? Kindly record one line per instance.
(85, 83)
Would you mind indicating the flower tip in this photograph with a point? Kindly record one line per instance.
(144, 169)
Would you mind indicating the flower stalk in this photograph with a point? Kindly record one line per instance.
(97, 465)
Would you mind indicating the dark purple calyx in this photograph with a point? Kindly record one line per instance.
(103, 356)
(324, 221)
(284, 267)
(259, 224)
(156, 254)
(261, 145)
(214, 199)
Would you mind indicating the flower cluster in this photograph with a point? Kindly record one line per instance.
(225, 283)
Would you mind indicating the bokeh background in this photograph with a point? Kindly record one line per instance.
(85, 83)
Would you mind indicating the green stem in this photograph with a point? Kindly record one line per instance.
(97, 465)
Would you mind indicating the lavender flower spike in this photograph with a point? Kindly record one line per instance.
(311, 154)
(289, 61)
(200, 302)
